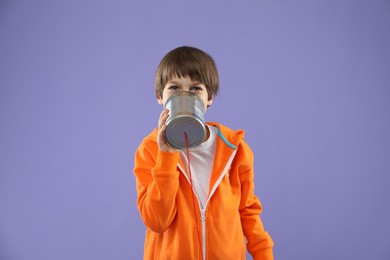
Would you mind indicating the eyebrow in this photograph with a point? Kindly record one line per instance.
(192, 83)
(172, 82)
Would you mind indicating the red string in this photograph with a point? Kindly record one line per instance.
(193, 197)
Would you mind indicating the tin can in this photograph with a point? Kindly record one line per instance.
(186, 115)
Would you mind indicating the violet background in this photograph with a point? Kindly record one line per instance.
(307, 80)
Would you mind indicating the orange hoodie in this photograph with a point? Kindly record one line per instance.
(177, 227)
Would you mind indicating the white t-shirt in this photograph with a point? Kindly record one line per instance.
(201, 160)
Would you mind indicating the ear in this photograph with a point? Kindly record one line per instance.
(209, 102)
(159, 99)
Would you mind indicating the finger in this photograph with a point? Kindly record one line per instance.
(163, 112)
(163, 118)
(161, 133)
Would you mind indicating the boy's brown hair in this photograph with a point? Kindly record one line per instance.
(189, 62)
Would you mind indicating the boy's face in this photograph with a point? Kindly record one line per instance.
(176, 84)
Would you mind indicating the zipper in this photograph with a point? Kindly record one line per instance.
(203, 210)
(203, 221)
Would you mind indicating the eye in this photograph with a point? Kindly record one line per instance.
(173, 87)
(196, 88)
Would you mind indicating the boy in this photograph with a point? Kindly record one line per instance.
(208, 210)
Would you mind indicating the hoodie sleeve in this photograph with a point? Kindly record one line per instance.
(157, 185)
(259, 242)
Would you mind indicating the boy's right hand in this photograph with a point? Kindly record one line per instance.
(163, 145)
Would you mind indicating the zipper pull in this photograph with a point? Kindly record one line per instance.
(202, 215)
